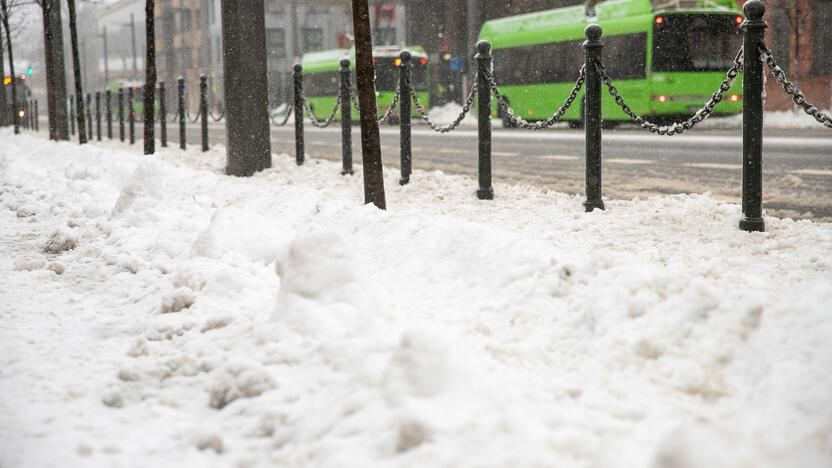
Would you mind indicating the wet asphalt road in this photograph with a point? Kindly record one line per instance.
(797, 163)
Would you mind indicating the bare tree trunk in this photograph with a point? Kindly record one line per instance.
(15, 116)
(3, 104)
(150, 80)
(76, 68)
(55, 70)
(370, 140)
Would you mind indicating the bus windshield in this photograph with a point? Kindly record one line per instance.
(387, 74)
(695, 43)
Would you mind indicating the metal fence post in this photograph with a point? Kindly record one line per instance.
(404, 117)
(299, 146)
(89, 116)
(181, 102)
(37, 117)
(98, 114)
(346, 117)
(203, 110)
(121, 114)
(752, 118)
(72, 115)
(27, 111)
(108, 103)
(163, 115)
(483, 57)
(592, 118)
(131, 115)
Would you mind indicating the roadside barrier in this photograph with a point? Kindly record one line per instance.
(592, 78)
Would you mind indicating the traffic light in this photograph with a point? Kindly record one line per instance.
(29, 71)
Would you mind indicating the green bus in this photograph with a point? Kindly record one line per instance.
(666, 57)
(321, 79)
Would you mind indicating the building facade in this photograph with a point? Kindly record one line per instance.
(119, 44)
(800, 36)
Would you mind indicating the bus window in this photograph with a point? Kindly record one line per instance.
(685, 43)
(321, 84)
(625, 57)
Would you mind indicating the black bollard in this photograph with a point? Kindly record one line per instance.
(404, 118)
(483, 57)
(181, 99)
(203, 110)
(346, 118)
(72, 115)
(752, 118)
(121, 114)
(108, 103)
(98, 115)
(131, 115)
(89, 116)
(592, 118)
(299, 146)
(163, 115)
(37, 117)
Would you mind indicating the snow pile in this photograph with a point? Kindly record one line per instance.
(796, 119)
(448, 113)
(158, 313)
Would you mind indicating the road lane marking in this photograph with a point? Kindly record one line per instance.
(451, 151)
(503, 153)
(628, 161)
(815, 172)
(729, 167)
(557, 157)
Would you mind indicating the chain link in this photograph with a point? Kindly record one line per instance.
(549, 122)
(328, 121)
(792, 90)
(285, 119)
(676, 128)
(195, 119)
(393, 105)
(216, 119)
(469, 103)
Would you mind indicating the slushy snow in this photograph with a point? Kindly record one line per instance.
(156, 312)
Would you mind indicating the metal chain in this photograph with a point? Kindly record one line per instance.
(195, 119)
(469, 103)
(216, 119)
(792, 90)
(676, 128)
(285, 119)
(393, 105)
(549, 122)
(313, 119)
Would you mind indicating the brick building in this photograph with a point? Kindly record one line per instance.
(800, 35)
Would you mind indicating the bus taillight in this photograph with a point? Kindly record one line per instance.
(423, 61)
(661, 98)
(739, 19)
(735, 98)
(660, 20)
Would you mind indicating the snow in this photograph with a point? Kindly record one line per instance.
(156, 312)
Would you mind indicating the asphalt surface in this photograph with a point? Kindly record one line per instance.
(797, 163)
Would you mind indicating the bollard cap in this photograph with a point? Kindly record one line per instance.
(405, 56)
(345, 62)
(593, 32)
(297, 68)
(754, 9)
(484, 47)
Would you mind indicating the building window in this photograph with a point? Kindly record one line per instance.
(276, 42)
(274, 7)
(822, 38)
(313, 39)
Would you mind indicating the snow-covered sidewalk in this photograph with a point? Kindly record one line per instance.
(155, 312)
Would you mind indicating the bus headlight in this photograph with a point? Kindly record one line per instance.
(661, 98)
(735, 98)
(22, 113)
